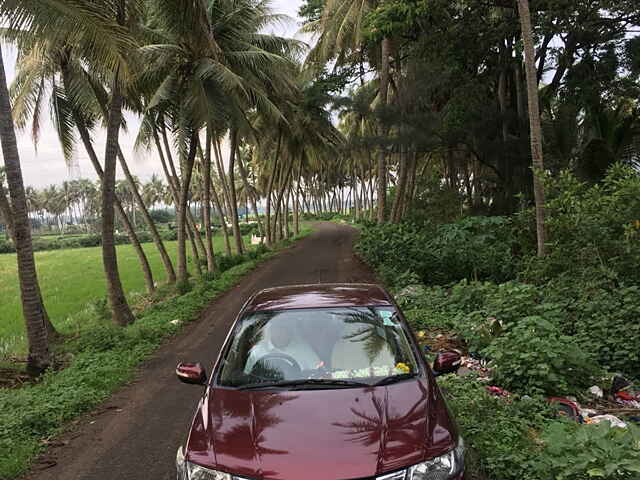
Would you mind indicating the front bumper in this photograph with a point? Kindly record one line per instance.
(182, 474)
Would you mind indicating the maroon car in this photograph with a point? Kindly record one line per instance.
(321, 382)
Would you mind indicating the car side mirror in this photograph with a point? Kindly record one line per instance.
(191, 373)
(446, 362)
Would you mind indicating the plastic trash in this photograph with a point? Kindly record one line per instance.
(497, 391)
(625, 396)
(587, 413)
(613, 420)
(566, 408)
(619, 383)
(596, 391)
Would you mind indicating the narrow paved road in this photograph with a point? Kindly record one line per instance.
(135, 435)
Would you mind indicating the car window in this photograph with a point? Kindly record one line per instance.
(363, 344)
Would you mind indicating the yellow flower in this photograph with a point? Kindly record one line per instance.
(403, 368)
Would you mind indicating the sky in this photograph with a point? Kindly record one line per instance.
(44, 165)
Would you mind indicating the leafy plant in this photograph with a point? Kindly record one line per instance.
(582, 452)
(534, 357)
(501, 434)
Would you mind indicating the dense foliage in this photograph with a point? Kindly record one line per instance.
(476, 248)
(521, 440)
(547, 326)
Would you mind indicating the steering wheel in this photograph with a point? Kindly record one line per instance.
(283, 364)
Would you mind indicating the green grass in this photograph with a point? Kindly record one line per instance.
(70, 280)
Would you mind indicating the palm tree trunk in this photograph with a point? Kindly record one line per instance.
(232, 193)
(32, 307)
(535, 125)
(250, 195)
(133, 237)
(195, 233)
(226, 197)
(403, 174)
(187, 172)
(270, 189)
(155, 235)
(192, 231)
(225, 230)
(287, 202)
(121, 312)
(7, 215)
(206, 186)
(285, 174)
(382, 156)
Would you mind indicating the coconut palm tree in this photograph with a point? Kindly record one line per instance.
(43, 67)
(340, 31)
(103, 32)
(209, 69)
(33, 309)
(534, 122)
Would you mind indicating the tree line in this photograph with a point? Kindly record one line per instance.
(398, 110)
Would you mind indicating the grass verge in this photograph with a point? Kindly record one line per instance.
(100, 359)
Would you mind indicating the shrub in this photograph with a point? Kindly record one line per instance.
(533, 356)
(169, 236)
(474, 248)
(591, 228)
(7, 247)
(521, 439)
(249, 229)
(501, 434)
(162, 216)
(603, 316)
(227, 262)
(90, 241)
(572, 451)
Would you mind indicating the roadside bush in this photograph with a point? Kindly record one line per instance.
(580, 452)
(603, 317)
(591, 228)
(90, 241)
(521, 439)
(227, 262)
(6, 247)
(474, 248)
(534, 357)
(249, 229)
(169, 236)
(501, 434)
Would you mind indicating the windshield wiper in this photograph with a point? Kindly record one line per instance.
(394, 379)
(302, 383)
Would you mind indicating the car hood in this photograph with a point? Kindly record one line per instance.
(320, 434)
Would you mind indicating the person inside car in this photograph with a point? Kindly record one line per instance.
(281, 341)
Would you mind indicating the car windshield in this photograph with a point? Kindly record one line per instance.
(364, 345)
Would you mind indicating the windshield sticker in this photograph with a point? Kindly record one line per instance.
(387, 318)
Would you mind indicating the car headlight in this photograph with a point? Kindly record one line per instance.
(196, 472)
(191, 471)
(445, 467)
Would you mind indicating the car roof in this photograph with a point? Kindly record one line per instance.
(319, 296)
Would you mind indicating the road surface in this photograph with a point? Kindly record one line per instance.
(136, 433)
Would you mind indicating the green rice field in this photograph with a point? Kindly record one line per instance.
(70, 281)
